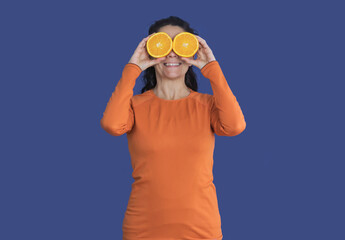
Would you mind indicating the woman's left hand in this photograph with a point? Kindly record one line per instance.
(204, 55)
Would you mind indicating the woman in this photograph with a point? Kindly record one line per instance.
(170, 129)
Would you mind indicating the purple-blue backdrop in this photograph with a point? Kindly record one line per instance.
(63, 177)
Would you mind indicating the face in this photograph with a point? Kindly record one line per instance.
(173, 72)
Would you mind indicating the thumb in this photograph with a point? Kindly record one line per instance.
(188, 61)
(158, 60)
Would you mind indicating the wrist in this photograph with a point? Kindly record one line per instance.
(136, 64)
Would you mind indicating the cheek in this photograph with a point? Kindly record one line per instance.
(159, 68)
(186, 64)
(185, 67)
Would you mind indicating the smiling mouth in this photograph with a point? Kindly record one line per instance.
(172, 64)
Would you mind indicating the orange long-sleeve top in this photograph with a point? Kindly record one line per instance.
(171, 145)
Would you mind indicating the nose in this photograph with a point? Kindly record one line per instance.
(172, 54)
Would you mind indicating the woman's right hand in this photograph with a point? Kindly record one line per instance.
(142, 58)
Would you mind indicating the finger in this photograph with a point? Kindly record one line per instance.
(158, 60)
(197, 36)
(148, 36)
(200, 54)
(188, 60)
(202, 42)
(141, 44)
(200, 38)
(151, 34)
(144, 40)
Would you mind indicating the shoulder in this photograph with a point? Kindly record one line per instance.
(203, 98)
(138, 99)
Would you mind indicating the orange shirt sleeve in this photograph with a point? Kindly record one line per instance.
(226, 115)
(118, 117)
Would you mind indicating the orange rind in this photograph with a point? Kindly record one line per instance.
(159, 45)
(185, 44)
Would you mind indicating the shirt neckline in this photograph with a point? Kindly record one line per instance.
(172, 100)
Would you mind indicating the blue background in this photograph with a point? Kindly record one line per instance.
(63, 177)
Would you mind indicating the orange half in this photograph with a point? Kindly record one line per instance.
(159, 45)
(185, 44)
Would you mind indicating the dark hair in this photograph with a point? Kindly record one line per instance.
(149, 76)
